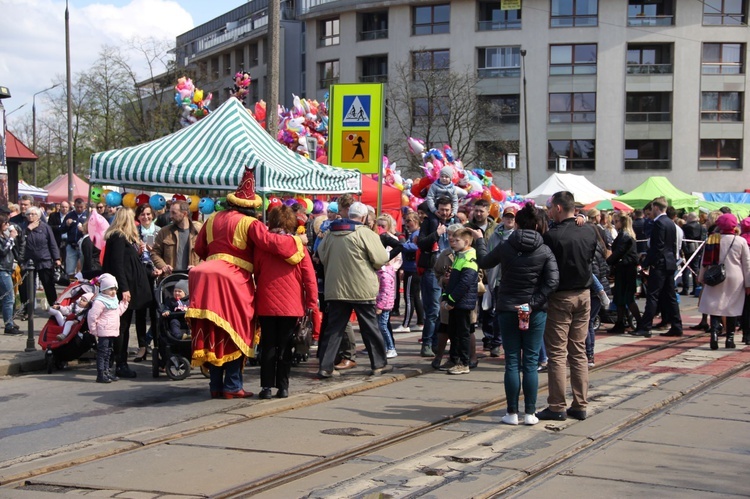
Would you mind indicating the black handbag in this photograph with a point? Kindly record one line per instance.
(304, 329)
(61, 278)
(715, 274)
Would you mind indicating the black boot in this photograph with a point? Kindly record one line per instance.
(714, 342)
(730, 341)
(101, 377)
(746, 338)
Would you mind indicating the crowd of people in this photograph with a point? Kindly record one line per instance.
(534, 280)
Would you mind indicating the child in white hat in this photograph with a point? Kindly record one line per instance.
(67, 316)
(104, 323)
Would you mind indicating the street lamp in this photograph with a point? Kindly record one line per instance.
(525, 122)
(33, 122)
(16, 109)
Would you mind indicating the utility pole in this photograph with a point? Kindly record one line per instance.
(273, 67)
(525, 122)
(71, 183)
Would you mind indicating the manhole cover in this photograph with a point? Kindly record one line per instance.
(348, 432)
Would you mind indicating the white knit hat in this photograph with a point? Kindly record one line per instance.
(107, 281)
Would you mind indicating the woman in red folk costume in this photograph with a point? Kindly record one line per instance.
(222, 306)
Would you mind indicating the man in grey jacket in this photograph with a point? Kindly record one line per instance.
(351, 253)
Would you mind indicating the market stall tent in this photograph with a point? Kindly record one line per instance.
(212, 153)
(584, 191)
(654, 187)
(32, 190)
(58, 189)
(391, 202)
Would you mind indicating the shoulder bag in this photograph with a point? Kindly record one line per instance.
(716, 273)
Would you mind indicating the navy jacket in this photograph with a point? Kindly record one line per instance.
(461, 291)
(41, 247)
(661, 250)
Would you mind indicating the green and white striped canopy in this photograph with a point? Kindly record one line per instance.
(212, 153)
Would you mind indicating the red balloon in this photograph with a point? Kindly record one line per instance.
(274, 202)
(142, 199)
(423, 184)
(178, 197)
(496, 193)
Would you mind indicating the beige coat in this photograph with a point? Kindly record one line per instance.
(165, 246)
(727, 299)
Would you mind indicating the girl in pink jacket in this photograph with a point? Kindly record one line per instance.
(104, 323)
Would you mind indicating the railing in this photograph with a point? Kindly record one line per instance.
(722, 68)
(231, 35)
(724, 19)
(378, 34)
(651, 21)
(306, 5)
(498, 72)
(649, 69)
(572, 117)
(648, 164)
(720, 164)
(571, 21)
(498, 25)
(327, 82)
(648, 117)
(374, 79)
(721, 116)
(505, 119)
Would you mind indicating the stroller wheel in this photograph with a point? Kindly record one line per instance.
(205, 372)
(50, 359)
(155, 362)
(178, 367)
(597, 322)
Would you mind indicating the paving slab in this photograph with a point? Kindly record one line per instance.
(174, 469)
(712, 406)
(293, 436)
(733, 386)
(201, 423)
(576, 486)
(667, 465)
(599, 424)
(324, 484)
(694, 432)
(462, 390)
(531, 448)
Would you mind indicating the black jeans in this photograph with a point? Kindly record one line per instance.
(122, 341)
(661, 292)
(276, 350)
(338, 318)
(47, 278)
(459, 331)
(412, 298)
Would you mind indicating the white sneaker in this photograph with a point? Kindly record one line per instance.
(459, 369)
(389, 354)
(530, 419)
(511, 419)
(402, 329)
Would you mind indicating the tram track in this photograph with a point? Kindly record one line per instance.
(34, 477)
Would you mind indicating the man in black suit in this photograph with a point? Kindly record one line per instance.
(662, 263)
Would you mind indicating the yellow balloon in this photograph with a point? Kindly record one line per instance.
(194, 200)
(104, 193)
(400, 187)
(128, 200)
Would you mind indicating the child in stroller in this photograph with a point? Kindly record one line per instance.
(177, 303)
(68, 316)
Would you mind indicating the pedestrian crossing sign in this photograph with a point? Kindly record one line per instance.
(355, 126)
(357, 110)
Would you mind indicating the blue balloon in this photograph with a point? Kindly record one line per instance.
(157, 202)
(206, 206)
(113, 199)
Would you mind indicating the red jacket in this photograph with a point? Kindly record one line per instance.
(283, 290)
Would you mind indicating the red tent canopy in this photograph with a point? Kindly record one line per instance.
(391, 198)
(58, 189)
(15, 149)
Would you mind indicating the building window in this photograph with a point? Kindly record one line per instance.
(491, 154)
(725, 12)
(227, 64)
(572, 60)
(499, 62)
(502, 109)
(721, 106)
(374, 69)
(723, 58)
(431, 20)
(253, 48)
(329, 32)
(569, 13)
(426, 109)
(373, 25)
(650, 12)
(239, 57)
(648, 154)
(649, 59)
(572, 108)
(721, 154)
(581, 154)
(648, 107)
(492, 17)
(428, 61)
(329, 73)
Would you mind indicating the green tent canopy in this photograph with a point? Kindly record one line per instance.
(655, 187)
(212, 153)
(742, 210)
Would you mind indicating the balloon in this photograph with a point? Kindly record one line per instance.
(318, 207)
(486, 195)
(157, 202)
(220, 204)
(104, 194)
(141, 199)
(194, 201)
(301, 201)
(416, 146)
(206, 206)
(404, 200)
(308, 206)
(274, 202)
(496, 194)
(289, 202)
(128, 200)
(495, 210)
(503, 196)
(113, 199)
(178, 197)
(96, 194)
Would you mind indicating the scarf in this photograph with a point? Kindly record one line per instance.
(110, 302)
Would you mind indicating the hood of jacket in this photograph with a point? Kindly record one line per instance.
(525, 241)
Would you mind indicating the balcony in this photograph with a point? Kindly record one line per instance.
(651, 21)
(648, 117)
(649, 69)
(498, 25)
(374, 79)
(648, 164)
(378, 34)
(498, 72)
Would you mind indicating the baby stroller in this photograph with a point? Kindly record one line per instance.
(78, 341)
(170, 353)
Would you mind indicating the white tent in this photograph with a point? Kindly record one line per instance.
(584, 191)
(37, 192)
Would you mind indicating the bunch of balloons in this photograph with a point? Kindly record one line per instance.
(242, 82)
(192, 101)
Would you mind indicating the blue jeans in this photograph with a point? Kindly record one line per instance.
(521, 354)
(7, 297)
(596, 305)
(383, 319)
(431, 303)
(227, 377)
(72, 256)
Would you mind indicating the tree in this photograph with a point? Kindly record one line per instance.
(426, 100)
